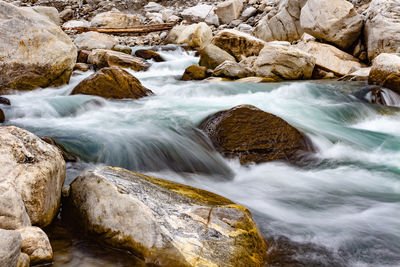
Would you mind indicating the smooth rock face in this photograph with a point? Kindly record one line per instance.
(382, 27)
(200, 13)
(393, 82)
(285, 25)
(108, 58)
(330, 58)
(36, 244)
(194, 72)
(94, 40)
(50, 12)
(384, 69)
(10, 247)
(233, 70)
(112, 82)
(284, 62)
(174, 224)
(253, 135)
(36, 168)
(334, 21)
(211, 56)
(112, 19)
(195, 35)
(12, 209)
(238, 44)
(34, 52)
(229, 10)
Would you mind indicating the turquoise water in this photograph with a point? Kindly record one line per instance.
(346, 199)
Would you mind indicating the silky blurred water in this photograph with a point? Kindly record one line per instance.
(347, 199)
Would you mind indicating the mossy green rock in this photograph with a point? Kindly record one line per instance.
(163, 222)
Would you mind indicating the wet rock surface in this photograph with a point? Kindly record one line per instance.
(175, 224)
(252, 135)
(113, 83)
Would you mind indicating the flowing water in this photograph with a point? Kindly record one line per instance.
(346, 200)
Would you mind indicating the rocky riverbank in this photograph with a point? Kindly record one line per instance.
(239, 41)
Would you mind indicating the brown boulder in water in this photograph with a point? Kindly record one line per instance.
(2, 116)
(149, 54)
(253, 135)
(194, 72)
(112, 82)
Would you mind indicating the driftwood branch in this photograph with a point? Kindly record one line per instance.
(132, 29)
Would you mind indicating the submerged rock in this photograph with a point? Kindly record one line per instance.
(149, 54)
(37, 170)
(372, 94)
(10, 247)
(107, 58)
(165, 223)
(194, 72)
(238, 44)
(112, 82)
(2, 116)
(36, 245)
(5, 101)
(34, 52)
(211, 56)
(253, 135)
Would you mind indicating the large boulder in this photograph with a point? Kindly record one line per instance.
(113, 19)
(107, 58)
(94, 40)
(113, 83)
(10, 247)
(330, 58)
(37, 170)
(163, 222)
(284, 25)
(382, 27)
(334, 21)
(36, 245)
(12, 208)
(34, 52)
(200, 13)
(284, 62)
(385, 68)
(194, 35)
(229, 10)
(253, 135)
(232, 70)
(238, 44)
(211, 56)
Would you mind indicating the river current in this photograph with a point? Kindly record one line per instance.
(346, 200)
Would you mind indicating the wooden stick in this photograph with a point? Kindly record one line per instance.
(132, 29)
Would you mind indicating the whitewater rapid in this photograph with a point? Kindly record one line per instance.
(347, 199)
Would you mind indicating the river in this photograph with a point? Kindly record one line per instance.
(346, 200)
